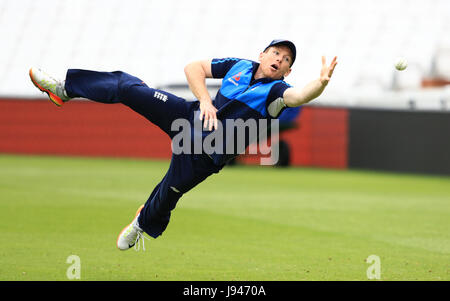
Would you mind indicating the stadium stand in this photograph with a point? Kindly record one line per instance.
(155, 39)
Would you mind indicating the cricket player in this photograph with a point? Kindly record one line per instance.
(249, 90)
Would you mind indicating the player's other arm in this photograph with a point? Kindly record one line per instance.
(294, 97)
(196, 74)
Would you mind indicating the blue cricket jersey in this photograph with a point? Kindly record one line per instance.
(243, 97)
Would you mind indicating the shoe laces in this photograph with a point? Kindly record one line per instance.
(137, 243)
(61, 91)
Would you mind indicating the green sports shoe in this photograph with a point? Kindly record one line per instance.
(47, 84)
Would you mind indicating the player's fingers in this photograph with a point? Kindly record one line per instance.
(333, 63)
(334, 60)
(213, 124)
(208, 124)
(209, 121)
(331, 73)
(332, 69)
(323, 60)
(205, 121)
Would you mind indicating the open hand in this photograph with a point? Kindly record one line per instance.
(327, 71)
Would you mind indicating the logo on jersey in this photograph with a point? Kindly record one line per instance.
(160, 96)
(235, 78)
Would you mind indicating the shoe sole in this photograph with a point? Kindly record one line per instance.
(137, 213)
(54, 98)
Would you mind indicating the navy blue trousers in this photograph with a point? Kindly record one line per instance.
(160, 108)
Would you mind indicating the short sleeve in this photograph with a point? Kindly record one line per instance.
(275, 103)
(220, 67)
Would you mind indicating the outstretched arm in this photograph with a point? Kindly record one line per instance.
(294, 97)
(196, 74)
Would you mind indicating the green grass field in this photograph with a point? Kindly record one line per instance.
(245, 223)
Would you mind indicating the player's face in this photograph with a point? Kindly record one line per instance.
(276, 61)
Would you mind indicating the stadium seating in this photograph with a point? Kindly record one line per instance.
(155, 39)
